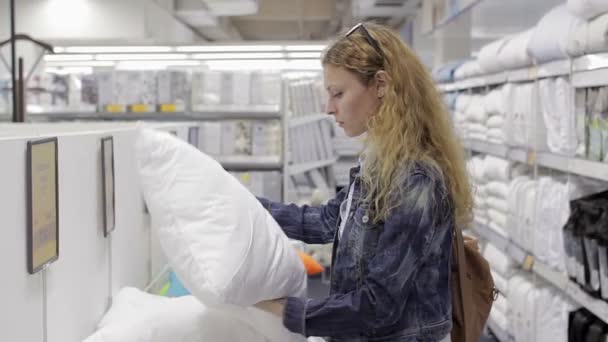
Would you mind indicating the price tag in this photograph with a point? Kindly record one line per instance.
(531, 158)
(528, 263)
(533, 72)
(139, 108)
(114, 108)
(168, 108)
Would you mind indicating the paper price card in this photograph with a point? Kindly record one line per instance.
(107, 172)
(43, 221)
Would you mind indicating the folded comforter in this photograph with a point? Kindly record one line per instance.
(552, 34)
(587, 9)
(590, 37)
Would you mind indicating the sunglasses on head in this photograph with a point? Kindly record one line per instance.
(368, 37)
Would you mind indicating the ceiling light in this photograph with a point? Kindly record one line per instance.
(139, 56)
(70, 70)
(49, 58)
(304, 55)
(305, 47)
(154, 65)
(265, 64)
(80, 63)
(118, 49)
(228, 48)
(244, 55)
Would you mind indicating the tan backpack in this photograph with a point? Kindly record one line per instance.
(473, 289)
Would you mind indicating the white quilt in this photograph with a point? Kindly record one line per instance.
(552, 34)
(137, 316)
(590, 37)
(587, 9)
(514, 54)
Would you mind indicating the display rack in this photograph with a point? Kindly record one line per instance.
(500, 334)
(583, 72)
(557, 279)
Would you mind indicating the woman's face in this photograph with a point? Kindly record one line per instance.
(350, 101)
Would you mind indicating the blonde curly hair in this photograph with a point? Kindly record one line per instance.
(411, 125)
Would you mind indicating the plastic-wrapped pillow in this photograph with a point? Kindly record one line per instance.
(220, 241)
(551, 36)
(587, 9)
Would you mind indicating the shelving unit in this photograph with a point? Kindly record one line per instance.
(583, 72)
(303, 120)
(558, 280)
(304, 167)
(500, 334)
(251, 163)
(573, 165)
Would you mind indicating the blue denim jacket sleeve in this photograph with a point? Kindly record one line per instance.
(410, 231)
(310, 224)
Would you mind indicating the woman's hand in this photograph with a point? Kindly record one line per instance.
(275, 306)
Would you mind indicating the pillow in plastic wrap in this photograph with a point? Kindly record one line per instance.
(219, 240)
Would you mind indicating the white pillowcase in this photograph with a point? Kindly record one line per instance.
(137, 316)
(224, 246)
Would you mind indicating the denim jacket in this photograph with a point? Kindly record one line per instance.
(390, 280)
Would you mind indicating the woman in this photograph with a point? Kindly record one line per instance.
(392, 226)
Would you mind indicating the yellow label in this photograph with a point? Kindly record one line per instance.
(139, 108)
(114, 108)
(533, 72)
(246, 177)
(531, 158)
(168, 108)
(528, 263)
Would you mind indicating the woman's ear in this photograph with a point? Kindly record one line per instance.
(381, 81)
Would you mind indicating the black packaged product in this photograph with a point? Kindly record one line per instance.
(592, 214)
(580, 321)
(597, 332)
(569, 243)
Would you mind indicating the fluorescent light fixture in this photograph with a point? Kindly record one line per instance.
(264, 64)
(305, 47)
(139, 56)
(117, 49)
(304, 55)
(243, 55)
(229, 48)
(80, 63)
(304, 64)
(154, 65)
(54, 58)
(70, 70)
(58, 49)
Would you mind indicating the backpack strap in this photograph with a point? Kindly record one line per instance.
(465, 288)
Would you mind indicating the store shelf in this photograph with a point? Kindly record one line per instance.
(590, 62)
(487, 148)
(577, 166)
(589, 168)
(239, 110)
(557, 279)
(519, 155)
(157, 116)
(502, 243)
(590, 78)
(304, 167)
(250, 163)
(307, 119)
(500, 334)
(521, 75)
(554, 69)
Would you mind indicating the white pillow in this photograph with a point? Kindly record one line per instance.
(220, 241)
(140, 317)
